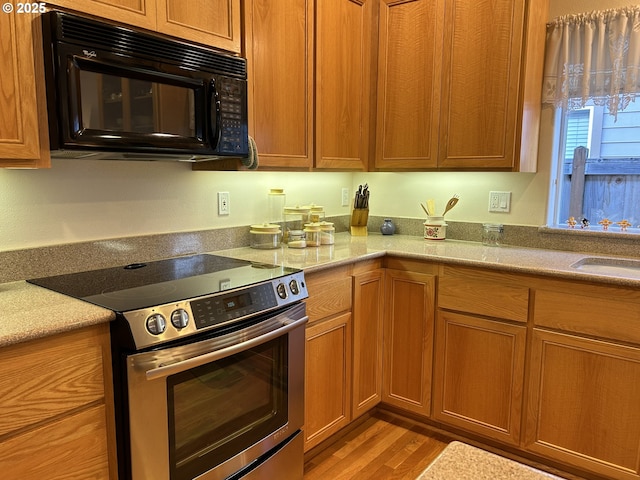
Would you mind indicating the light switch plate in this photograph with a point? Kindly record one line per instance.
(500, 202)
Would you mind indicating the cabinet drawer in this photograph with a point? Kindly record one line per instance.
(491, 294)
(45, 378)
(329, 293)
(611, 317)
(71, 447)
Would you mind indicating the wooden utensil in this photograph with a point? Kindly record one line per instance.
(431, 207)
(450, 204)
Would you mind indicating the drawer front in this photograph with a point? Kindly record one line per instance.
(600, 316)
(329, 293)
(71, 447)
(490, 294)
(43, 379)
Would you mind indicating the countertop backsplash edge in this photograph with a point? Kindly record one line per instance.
(36, 262)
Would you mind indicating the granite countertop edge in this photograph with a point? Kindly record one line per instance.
(31, 312)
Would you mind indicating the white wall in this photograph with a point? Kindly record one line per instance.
(86, 200)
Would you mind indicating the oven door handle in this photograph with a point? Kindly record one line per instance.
(164, 370)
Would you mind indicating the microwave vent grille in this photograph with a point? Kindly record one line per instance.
(129, 41)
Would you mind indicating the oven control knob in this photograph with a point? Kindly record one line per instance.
(282, 291)
(156, 324)
(180, 318)
(293, 285)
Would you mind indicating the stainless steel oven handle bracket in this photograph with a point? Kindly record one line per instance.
(184, 365)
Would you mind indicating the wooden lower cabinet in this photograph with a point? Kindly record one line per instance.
(479, 375)
(327, 387)
(408, 340)
(584, 404)
(368, 303)
(57, 418)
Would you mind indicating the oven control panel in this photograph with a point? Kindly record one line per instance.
(156, 325)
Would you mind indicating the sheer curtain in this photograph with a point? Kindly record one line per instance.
(593, 56)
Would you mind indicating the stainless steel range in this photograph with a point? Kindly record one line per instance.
(208, 357)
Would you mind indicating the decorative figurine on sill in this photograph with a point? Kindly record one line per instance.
(585, 223)
(624, 224)
(605, 222)
(572, 222)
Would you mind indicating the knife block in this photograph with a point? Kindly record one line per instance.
(359, 218)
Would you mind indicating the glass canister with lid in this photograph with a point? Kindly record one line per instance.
(327, 233)
(265, 236)
(276, 200)
(312, 231)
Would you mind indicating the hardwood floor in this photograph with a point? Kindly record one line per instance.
(383, 447)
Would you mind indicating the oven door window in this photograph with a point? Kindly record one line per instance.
(222, 408)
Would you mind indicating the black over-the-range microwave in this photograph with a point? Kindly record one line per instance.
(118, 92)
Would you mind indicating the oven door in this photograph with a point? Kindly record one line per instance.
(210, 409)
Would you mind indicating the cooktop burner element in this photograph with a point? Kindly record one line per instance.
(166, 299)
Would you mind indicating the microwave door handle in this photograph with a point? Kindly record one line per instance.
(215, 115)
(162, 371)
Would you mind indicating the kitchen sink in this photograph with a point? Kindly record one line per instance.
(609, 266)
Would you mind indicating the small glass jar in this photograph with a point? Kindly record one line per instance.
(327, 233)
(265, 236)
(294, 219)
(297, 239)
(312, 231)
(492, 234)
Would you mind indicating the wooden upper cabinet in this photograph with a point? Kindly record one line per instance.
(214, 22)
(480, 79)
(459, 84)
(483, 94)
(408, 94)
(280, 69)
(344, 61)
(141, 13)
(23, 133)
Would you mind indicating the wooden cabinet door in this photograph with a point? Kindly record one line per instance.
(24, 141)
(368, 303)
(479, 375)
(327, 388)
(408, 92)
(141, 13)
(344, 30)
(583, 404)
(280, 70)
(408, 340)
(480, 83)
(214, 22)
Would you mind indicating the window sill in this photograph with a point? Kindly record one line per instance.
(593, 231)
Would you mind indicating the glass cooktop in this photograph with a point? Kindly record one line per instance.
(143, 285)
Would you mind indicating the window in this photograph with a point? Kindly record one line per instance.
(592, 78)
(607, 186)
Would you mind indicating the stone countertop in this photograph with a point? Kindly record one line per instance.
(30, 312)
(348, 249)
(459, 461)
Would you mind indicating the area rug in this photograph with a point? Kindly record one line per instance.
(459, 461)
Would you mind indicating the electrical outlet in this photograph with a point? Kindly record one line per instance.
(224, 208)
(345, 197)
(500, 202)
